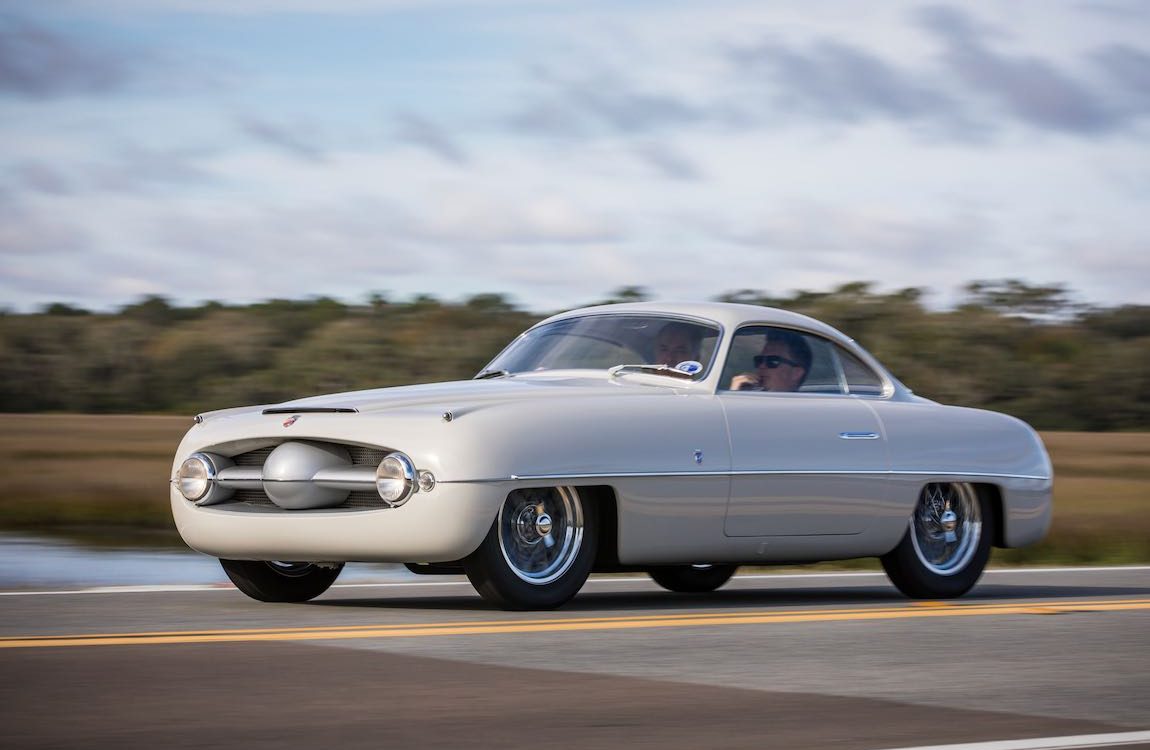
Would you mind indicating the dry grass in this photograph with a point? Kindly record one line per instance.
(79, 470)
(90, 470)
(1101, 500)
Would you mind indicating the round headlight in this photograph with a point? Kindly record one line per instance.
(195, 477)
(395, 478)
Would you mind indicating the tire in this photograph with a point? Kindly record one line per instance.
(942, 556)
(274, 581)
(692, 579)
(517, 568)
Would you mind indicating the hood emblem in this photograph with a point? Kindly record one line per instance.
(291, 420)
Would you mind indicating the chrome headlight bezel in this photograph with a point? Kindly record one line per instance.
(395, 479)
(196, 478)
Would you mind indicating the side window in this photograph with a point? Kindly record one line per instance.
(861, 380)
(766, 358)
(824, 376)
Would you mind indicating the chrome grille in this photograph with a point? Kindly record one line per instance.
(253, 458)
(359, 499)
(361, 456)
(364, 499)
(252, 497)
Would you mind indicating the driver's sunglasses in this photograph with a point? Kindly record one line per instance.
(771, 361)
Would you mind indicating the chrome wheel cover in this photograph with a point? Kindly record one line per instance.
(541, 532)
(946, 527)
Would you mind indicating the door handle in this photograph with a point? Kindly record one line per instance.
(859, 435)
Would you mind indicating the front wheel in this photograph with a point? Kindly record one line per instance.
(692, 579)
(946, 545)
(539, 550)
(275, 581)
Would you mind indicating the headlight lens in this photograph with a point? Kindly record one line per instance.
(395, 478)
(195, 477)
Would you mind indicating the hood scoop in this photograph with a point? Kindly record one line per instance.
(310, 410)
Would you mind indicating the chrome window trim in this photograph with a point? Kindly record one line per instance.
(840, 373)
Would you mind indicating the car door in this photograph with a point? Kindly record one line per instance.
(803, 463)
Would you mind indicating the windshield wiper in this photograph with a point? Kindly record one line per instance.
(652, 370)
(488, 374)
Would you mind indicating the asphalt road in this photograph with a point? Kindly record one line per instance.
(834, 661)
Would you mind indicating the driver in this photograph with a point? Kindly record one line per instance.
(677, 342)
(782, 366)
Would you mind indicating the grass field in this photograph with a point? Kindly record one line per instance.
(63, 473)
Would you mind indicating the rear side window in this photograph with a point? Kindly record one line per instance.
(861, 380)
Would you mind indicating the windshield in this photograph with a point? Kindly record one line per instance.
(599, 342)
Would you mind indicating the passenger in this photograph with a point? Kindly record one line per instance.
(782, 366)
(677, 342)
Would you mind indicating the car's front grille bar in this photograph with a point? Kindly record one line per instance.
(246, 478)
(336, 477)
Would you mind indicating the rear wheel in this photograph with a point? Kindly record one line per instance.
(275, 581)
(692, 579)
(946, 545)
(539, 550)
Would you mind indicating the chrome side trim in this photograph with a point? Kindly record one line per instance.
(750, 473)
(859, 435)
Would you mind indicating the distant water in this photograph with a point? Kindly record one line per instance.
(34, 561)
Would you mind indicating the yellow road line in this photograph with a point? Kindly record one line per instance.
(983, 608)
(575, 623)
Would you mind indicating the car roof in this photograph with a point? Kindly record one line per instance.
(730, 315)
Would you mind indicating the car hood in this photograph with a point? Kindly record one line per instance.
(474, 393)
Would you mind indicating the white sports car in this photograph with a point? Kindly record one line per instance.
(678, 439)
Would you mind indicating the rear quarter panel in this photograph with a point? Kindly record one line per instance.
(930, 443)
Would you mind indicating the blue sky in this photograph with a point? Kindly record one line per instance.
(554, 151)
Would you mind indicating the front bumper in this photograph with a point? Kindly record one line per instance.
(445, 524)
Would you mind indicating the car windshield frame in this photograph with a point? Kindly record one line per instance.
(588, 325)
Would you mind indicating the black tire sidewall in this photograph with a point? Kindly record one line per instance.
(685, 579)
(493, 578)
(261, 581)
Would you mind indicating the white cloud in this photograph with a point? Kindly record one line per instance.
(274, 7)
(663, 163)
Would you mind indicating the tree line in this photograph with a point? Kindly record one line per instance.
(1022, 349)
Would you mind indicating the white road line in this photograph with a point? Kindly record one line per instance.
(158, 589)
(163, 589)
(1071, 569)
(1048, 743)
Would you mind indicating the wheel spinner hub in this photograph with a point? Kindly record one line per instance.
(532, 524)
(949, 522)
